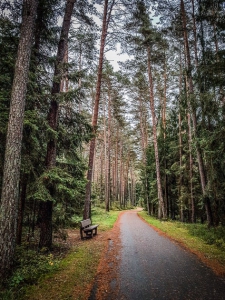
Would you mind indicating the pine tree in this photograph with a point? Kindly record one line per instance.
(46, 207)
(11, 173)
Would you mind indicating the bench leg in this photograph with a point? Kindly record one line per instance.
(89, 233)
(81, 234)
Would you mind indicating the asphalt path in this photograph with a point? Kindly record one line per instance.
(153, 267)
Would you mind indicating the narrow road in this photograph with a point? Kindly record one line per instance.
(152, 267)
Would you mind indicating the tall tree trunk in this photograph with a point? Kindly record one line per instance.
(117, 165)
(101, 176)
(164, 134)
(144, 144)
(106, 157)
(46, 207)
(190, 163)
(64, 87)
(121, 175)
(161, 206)
(133, 183)
(194, 119)
(105, 23)
(108, 196)
(180, 151)
(11, 172)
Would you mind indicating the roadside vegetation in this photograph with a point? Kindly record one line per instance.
(69, 272)
(63, 274)
(207, 243)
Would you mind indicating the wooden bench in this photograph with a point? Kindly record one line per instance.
(87, 228)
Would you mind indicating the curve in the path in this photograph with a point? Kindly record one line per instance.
(152, 267)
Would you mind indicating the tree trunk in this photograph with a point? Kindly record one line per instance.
(194, 119)
(192, 202)
(45, 208)
(108, 196)
(121, 175)
(117, 165)
(11, 172)
(180, 165)
(161, 207)
(164, 135)
(105, 22)
(190, 165)
(45, 223)
(106, 158)
(144, 144)
(101, 177)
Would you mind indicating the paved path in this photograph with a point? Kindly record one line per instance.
(152, 267)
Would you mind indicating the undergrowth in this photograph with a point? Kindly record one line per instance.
(29, 266)
(68, 282)
(33, 270)
(212, 236)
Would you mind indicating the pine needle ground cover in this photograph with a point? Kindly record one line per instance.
(207, 243)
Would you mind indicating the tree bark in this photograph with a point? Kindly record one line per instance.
(45, 208)
(121, 175)
(144, 144)
(166, 201)
(108, 196)
(161, 207)
(106, 158)
(180, 158)
(117, 165)
(11, 173)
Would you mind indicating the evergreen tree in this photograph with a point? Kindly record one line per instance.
(11, 173)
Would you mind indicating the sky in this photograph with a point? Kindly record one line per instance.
(114, 56)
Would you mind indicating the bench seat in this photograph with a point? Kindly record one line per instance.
(87, 228)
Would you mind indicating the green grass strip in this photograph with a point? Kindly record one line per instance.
(105, 219)
(195, 237)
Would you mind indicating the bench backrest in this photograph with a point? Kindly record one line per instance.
(85, 223)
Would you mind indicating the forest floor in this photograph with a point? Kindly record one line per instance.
(83, 263)
(90, 270)
(76, 274)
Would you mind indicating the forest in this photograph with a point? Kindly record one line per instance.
(80, 130)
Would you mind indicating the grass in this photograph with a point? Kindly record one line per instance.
(105, 219)
(73, 276)
(207, 244)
